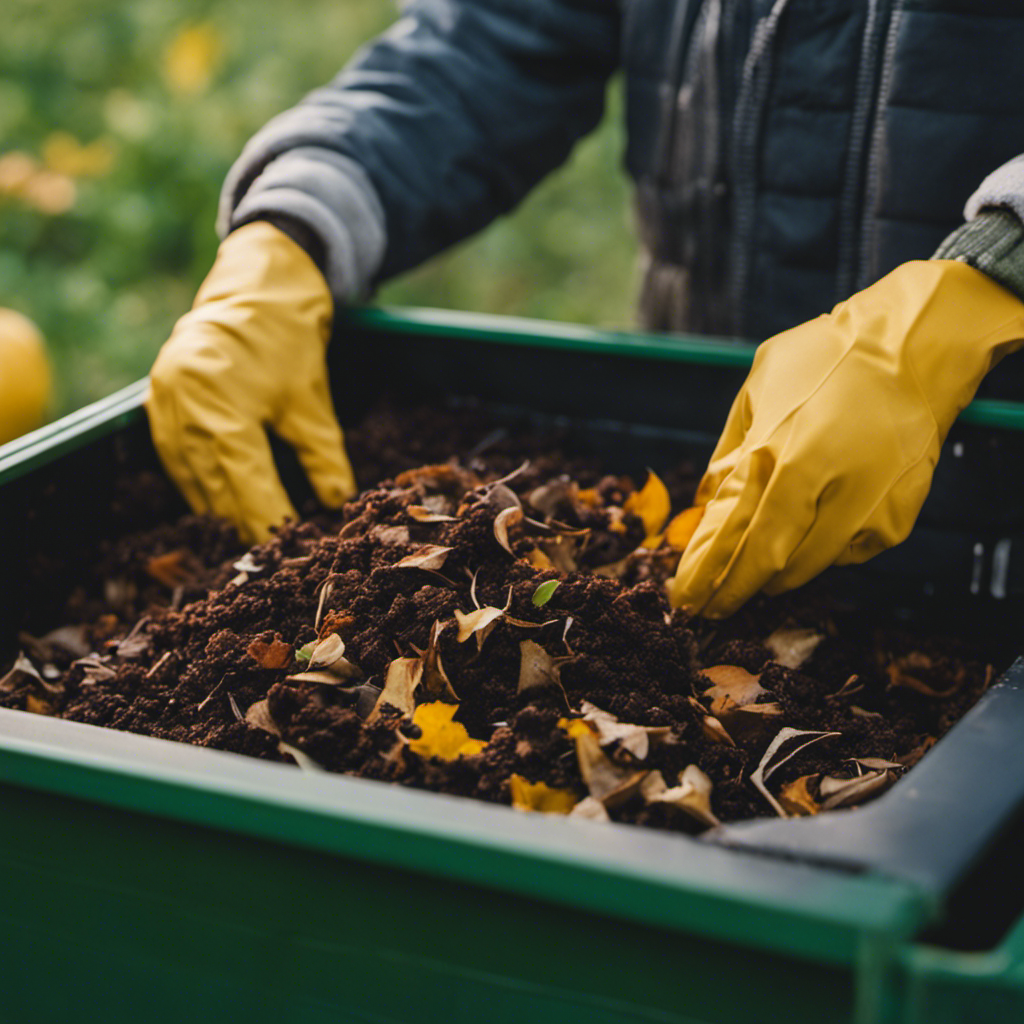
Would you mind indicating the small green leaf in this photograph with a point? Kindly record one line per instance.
(543, 593)
(305, 652)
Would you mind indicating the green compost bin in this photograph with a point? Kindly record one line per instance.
(151, 881)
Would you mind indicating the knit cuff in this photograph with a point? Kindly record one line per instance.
(992, 242)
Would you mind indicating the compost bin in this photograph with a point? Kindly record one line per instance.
(157, 881)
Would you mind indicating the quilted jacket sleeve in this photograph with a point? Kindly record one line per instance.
(433, 130)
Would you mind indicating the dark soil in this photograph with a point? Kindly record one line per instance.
(176, 637)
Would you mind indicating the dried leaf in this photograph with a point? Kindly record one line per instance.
(898, 676)
(302, 759)
(94, 670)
(69, 638)
(259, 715)
(711, 726)
(136, 644)
(614, 570)
(847, 792)
(539, 796)
(422, 514)
(481, 622)
(683, 526)
(634, 738)
(590, 809)
(316, 678)
(500, 497)
(544, 593)
(328, 655)
(862, 713)
(22, 667)
(502, 521)
(247, 564)
(792, 647)
(404, 676)
(652, 504)
(536, 668)
(910, 759)
(608, 782)
(772, 761)
(796, 798)
(440, 736)
(561, 552)
(692, 795)
(435, 680)
(326, 589)
(38, 706)
(539, 560)
(171, 569)
(875, 763)
(549, 496)
(730, 683)
(276, 654)
(431, 556)
(848, 689)
(391, 536)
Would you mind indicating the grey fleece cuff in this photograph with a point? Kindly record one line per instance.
(992, 242)
(328, 193)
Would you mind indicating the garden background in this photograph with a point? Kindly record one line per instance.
(118, 122)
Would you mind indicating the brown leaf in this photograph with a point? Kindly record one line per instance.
(561, 552)
(875, 763)
(258, 715)
(536, 668)
(711, 726)
(634, 738)
(328, 655)
(898, 676)
(774, 759)
(38, 706)
(435, 681)
(276, 654)
(910, 759)
(792, 647)
(608, 782)
(422, 514)
(692, 795)
(391, 536)
(431, 556)
(847, 792)
(173, 569)
(481, 622)
(549, 496)
(403, 678)
(502, 521)
(320, 678)
(796, 798)
(730, 683)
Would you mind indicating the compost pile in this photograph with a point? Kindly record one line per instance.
(489, 621)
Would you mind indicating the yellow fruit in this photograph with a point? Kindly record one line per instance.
(24, 375)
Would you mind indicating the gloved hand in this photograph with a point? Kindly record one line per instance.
(24, 376)
(828, 452)
(250, 354)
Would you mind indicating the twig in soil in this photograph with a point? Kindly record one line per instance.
(234, 708)
(848, 689)
(213, 693)
(160, 661)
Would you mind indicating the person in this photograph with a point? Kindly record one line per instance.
(789, 156)
(25, 377)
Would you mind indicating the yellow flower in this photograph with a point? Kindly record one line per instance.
(63, 153)
(191, 59)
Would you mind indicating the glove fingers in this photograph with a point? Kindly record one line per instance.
(708, 557)
(312, 429)
(163, 426)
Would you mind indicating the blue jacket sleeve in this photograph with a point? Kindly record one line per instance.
(433, 130)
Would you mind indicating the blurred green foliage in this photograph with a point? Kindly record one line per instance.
(118, 122)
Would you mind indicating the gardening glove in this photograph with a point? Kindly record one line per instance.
(828, 452)
(250, 355)
(24, 375)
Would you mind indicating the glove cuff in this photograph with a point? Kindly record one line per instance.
(993, 242)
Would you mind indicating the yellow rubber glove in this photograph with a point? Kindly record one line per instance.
(828, 452)
(250, 355)
(24, 376)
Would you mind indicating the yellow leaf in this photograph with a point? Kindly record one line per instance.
(575, 727)
(683, 526)
(539, 560)
(652, 504)
(192, 58)
(539, 796)
(440, 736)
(588, 496)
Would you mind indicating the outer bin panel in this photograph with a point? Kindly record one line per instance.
(147, 880)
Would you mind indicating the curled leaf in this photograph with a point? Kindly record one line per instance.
(692, 795)
(847, 792)
(539, 796)
(440, 736)
(423, 515)
(481, 622)
(652, 504)
(796, 797)
(544, 593)
(403, 677)
(634, 738)
(774, 758)
(608, 782)
(326, 590)
(319, 678)
(259, 715)
(430, 556)
(792, 647)
(435, 679)
(502, 521)
(328, 655)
